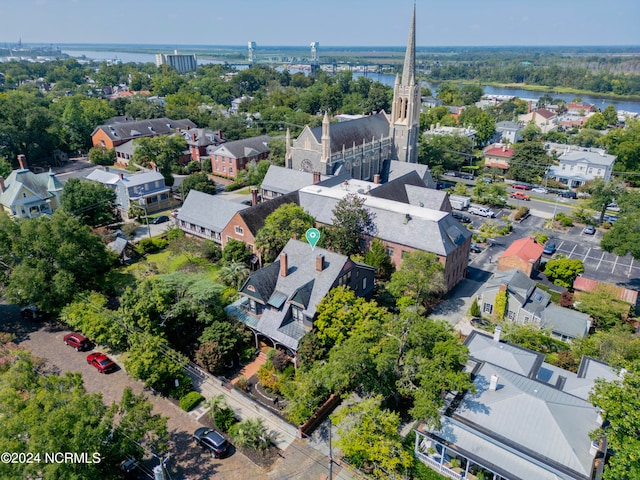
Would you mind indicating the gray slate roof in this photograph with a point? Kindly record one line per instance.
(40, 184)
(247, 147)
(208, 211)
(255, 216)
(565, 321)
(285, 180)
(404, 224)
(143, 128)
(346, 133)
(396, 168)
(203, 137)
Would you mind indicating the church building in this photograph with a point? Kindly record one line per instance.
(365, 147)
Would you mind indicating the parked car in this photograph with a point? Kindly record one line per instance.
(160, 219)
(480, 322)
(549, 248)
(610, 218)
(520, 196)
(482, 211)
(460, 217)
(475, 248)
(103, 363)
(32, 313)
(487, 180)
(77, 341)
(540, 190)
(614, 207)
(212, 440)
(567, 194)
(451, 174)
(589, 230)
(466, 176)
(521, 186)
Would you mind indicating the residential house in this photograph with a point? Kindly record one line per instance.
(279, 181)
(124, 153)
(198, 139)
(113, 134)
(578, 165)
(498, 155)
(146, 189)
(507, 132)
(429, 102)
(524, 254)
(205, 216)
(545, 119)
(527, 419)
(570, 120)
(245, 224)
(278, 302)
(467, 132)
(231, 157)
(235, 103)
(403, 227)
(580, 108)
(527, 303)
(24, 194)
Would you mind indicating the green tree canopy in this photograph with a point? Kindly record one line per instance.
(199, 181)
(236, 251)
(481, 121)
(529, 162)
(563, 271)
(102, 156)
(449, 152)
(164, 151)
(90, 202)
(378, 257)
(602, 193)
(351, 224)
(420, 278)
(603, 305)
(286, 222)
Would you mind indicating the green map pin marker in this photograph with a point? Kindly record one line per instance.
(313, 235)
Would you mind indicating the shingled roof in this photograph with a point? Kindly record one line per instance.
(255, 216)
(143, 128)
(355, 131)
(247, 147)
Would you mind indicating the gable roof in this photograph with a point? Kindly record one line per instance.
(355, 131)
(595, 158)
(247, 147)
(255, 216)
(517, 359)
(285, 180)
(143, 128)
(208, 211)
(525, 248)
(393, 169)
(202, 137)
(565, 321)
(544, 113)
(497, 151)
(42, 185)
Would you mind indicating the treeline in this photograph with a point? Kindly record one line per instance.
(527, 73)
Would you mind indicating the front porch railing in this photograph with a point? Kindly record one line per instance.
(445, 471)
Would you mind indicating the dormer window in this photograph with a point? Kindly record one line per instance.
(296, 314)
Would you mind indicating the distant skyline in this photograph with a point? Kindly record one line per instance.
(331, 22)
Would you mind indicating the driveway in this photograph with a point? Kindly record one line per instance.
(186, 461)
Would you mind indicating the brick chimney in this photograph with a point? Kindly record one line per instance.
(254, 197)
(376, 178)
(316, 177)
(2, 187)
(22, 160)
(284, 265)
(122, 176)
(503, 287)
(319, 262)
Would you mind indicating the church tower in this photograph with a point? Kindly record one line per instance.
(405, 112)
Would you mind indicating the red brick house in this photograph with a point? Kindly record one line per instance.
(199, 139)
(227, 159)
(523, 254)
(118, 132)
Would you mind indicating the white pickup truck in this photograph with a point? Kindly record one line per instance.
(482, 211)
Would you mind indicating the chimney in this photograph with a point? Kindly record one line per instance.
(284, 266)
(503, 287)
(2, 187)
(122, 176)
(560, 382)
(504, 147)
(376, 178)
(497, 333)
(22, 160)
(320, 262)
(316, 177)
(254, 197)
(494, 382)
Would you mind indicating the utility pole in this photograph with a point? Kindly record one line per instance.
(330, 452)
(143, 203)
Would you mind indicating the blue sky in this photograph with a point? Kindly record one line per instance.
(330, 22)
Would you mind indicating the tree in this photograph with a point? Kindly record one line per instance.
(90, 202)
(251, 433)
(286, 222)
(586, 137)
(102, 156)
(602, 193)
(596, 121)
(603, 305)
(529, 162)
(163, 151)
(481, 121)
(5, 167)
(369, 436)
(610, 115)
(198, 181)
(616, 346)
(53, 258)
(531, 132)
(489, 193)
(624, 236)
(624, 144)
(447, 151)
(236, 251)
(378, 257)
(620, 403)
(234, 274)
(351, 224)
(563, 271)
(420, 278)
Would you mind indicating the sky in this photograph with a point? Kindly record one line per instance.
(330, 22)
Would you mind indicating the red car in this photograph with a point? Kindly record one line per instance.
(77, 341)
(520, 196)
(520, 186)
(99, 360)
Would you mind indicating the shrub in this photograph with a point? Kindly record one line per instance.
(224, 419)
(150, 245)
(280, 361)
(211, 250)
(251, 433)
(521, 213)
(242, 384)
(190, 400)
(564, 220)
(234, 186)
(606, 225)
(129, 229)
(541, 238)
(474, 311)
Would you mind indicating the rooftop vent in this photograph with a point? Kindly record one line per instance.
(493, 385)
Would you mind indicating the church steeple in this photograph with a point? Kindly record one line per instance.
(409, 69)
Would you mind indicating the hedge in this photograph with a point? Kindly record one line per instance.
(190, 400)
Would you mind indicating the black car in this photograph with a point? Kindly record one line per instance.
(32, 313)
(460, 217)
(160, 219)
(568, 194)
(212, 440)
(480, 322)
(475, 248)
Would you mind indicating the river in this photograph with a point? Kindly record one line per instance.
(601, 103)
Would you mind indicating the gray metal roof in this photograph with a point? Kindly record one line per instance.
(594, 158)
(285, 180)
(345, 134)
(208, 211)
(143, 178)
(398, 169)
(565, 321)
(104, 177)
(417, 227)
(580, 384)
(517, 359)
